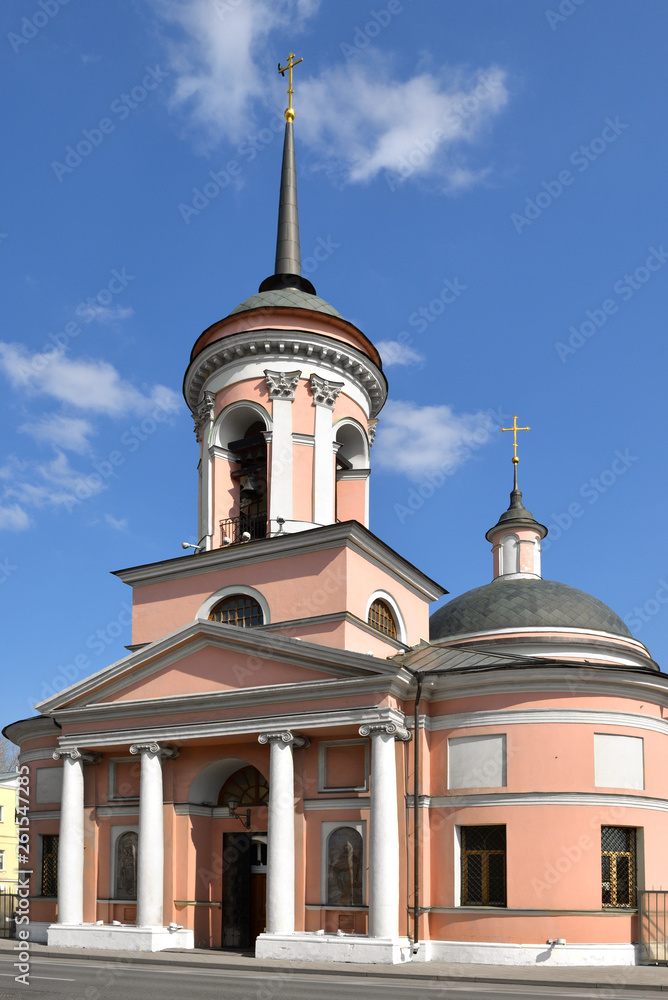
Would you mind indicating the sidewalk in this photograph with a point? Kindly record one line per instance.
(605, 978)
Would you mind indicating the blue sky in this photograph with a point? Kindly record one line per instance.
(487, 182)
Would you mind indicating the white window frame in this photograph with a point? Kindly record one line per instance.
(111, 779)
(323, 745)
(2, 861)
(2, 814)
(382, 595)
(114, 834)
(231, 591)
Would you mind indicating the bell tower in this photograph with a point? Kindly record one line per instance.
(285, 394)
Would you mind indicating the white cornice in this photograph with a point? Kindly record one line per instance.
(542, 716)
(221, 701)
(523, 634)
(37, 814)
(45, 753)
(193, 731)
(454, 802)
(349, 802)
(269, 346)
(118, 809)
(244, 641)
(348, 533)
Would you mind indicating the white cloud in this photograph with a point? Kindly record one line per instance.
(118, 524)
(366, 121)
(394, 353)
(359, 117)
(89, 385)
(54, 483)
(103, 314)
(13, 518)
(418, 440)
(70, 433)
(221, 59)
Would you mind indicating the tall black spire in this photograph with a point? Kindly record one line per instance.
(288, 267)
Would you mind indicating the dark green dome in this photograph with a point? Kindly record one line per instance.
(523, 604)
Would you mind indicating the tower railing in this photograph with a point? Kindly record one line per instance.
(235, 528)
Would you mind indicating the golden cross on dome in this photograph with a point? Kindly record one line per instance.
(515, 429)
(290, 64)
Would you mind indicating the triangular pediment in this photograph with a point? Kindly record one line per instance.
(209, 658)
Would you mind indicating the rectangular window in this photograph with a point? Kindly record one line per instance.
(2, 814)
(618, 865)
(2, 861)
(49, 881)
(483, 866)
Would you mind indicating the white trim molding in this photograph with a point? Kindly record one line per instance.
(382, 595)
(230, 591)
(327, 828)
(323, 747)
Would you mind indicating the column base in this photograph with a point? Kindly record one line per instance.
(309, 946)
(118, 937)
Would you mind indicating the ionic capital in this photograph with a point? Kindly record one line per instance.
(85, 756)
(389, 728)
(298, 741)
(282, 385)
(166, 751)
(324, 392)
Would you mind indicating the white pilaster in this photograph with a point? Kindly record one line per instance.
(324, 480)
(151, 842)
(281, 831)
(384, 830)
(203, 420)
(281, 386)
(71, 838)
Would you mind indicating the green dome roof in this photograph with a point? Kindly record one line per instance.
(288, 298)
(523, 604)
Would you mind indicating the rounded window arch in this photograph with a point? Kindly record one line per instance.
(235, 590)
(384, 615)
(345, 853)
(126, 865)
(237, 609)
(234, 421)
(354, 444)
(246, 787)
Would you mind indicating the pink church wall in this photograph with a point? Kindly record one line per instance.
(351, 500)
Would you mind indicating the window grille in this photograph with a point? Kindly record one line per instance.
(618, 865)
(483, 866)
(238, 610)
(50, 864)
(2, 861)
(382, 619)
(247, 786)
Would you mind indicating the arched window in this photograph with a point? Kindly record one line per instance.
(382, 619)
(247, 786)
(344, 867)
(237, 609)
(126, 865)
(510, 554)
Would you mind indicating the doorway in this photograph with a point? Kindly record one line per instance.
(244, 901)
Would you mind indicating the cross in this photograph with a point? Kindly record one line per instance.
(515, 429)
(290, 64)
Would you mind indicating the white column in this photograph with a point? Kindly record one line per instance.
(71, 835)
(384, 830)
(324, 480)
(151, 841)
(281, 386)
(281, 831)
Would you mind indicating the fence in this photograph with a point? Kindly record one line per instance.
(653, 926)
(7, 908)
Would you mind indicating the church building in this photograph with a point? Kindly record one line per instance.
(294, 757)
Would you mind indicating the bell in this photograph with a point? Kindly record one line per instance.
(250, 490)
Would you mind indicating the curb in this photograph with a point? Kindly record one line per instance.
(345, 969)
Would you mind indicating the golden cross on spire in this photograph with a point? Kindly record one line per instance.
(515, 429)
(290, 64)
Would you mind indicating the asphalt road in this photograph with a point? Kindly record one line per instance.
(85, 979)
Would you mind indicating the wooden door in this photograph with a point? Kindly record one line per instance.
(236, 910)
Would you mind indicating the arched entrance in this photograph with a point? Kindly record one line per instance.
(237, 794)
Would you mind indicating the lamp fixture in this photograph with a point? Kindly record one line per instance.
(232, 806)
